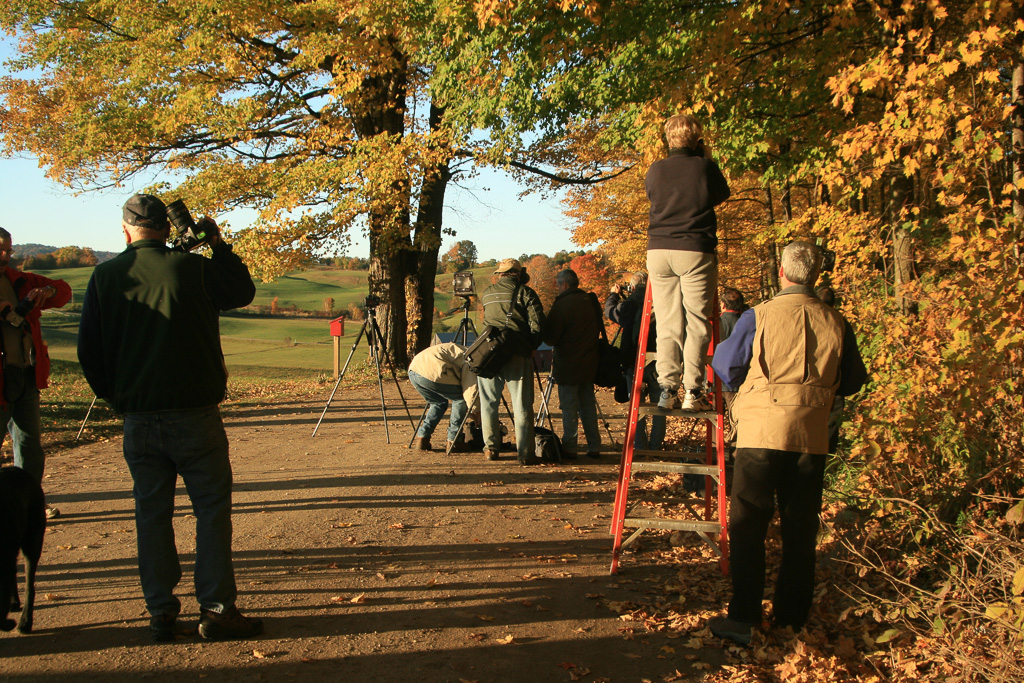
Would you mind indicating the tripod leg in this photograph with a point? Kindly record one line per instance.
(85, 419)
(465, 419)
(378, 349)
(391, 368)
(341, 376)
(604, 420)
(417, 427)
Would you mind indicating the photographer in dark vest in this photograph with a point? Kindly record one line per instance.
(509, 303)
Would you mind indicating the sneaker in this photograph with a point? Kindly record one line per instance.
(739, 632)
(669, 400)
(229, 625)
(492, 454)
(161, 627)
(52, 513)
(696, 402)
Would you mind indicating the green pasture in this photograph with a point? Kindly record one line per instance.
(251, 344)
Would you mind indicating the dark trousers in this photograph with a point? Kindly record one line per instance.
(760, 476)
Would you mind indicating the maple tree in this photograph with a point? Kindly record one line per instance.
(318, 115)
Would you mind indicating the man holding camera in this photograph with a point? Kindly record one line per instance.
(789, 357)
(26, 363)
(510, 304)
(149, 343)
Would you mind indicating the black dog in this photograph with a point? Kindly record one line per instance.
(22, 524)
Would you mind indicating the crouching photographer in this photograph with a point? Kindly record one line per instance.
(149, 343)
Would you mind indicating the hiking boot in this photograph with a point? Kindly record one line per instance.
(696, 402)
(492, 454)
(739, 632)
(161, 627)
(229, 625)
(669, 400)
(568, 455)
(421, 443)
(594, 454)
(530, 460)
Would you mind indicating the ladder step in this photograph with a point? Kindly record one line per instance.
(676, 467)
(651, 409)
(671, 454)
(678, 524)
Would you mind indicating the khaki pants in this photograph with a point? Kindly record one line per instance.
(683, 285)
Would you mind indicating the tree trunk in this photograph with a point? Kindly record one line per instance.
(772, 257)
(901, 194)
(1017, 99)
(427, 244)
(381, 111)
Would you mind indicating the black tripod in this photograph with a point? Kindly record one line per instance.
(377, 350)
(466, 324)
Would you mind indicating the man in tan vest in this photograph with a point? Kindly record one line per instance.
(790, 357)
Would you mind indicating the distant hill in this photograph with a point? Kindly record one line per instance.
(32, 249)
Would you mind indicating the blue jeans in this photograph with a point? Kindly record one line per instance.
(158, 447)
(21, 415)
(517, 374)
(437, 396)
(578, 403)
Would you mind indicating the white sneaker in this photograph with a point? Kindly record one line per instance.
(695, 402)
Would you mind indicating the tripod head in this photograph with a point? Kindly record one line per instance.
(464, 306)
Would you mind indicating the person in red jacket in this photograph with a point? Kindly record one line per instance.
(26, 363)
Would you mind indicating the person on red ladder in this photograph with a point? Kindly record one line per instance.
(684, 190)
(789, 357)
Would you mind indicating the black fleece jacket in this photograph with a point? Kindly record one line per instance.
(684, 190)
(149, 339)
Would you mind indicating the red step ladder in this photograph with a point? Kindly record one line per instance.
(711, 524)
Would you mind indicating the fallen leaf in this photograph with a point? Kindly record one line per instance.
(258, 654)
(484, 617)
(506, 640)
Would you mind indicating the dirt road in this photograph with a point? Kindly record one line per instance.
(368, 561)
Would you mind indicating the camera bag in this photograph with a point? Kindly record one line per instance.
(493, 348)
(547, 445)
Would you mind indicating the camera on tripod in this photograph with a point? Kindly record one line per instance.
(828, 257)
(463, 284)
(371, 301)
(188, 235)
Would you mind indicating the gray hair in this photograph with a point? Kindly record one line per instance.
(639, 280)
(683, 130)
(801, 263)
(567, 278)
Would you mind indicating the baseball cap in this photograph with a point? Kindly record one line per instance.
(507, 265)
(145, 211)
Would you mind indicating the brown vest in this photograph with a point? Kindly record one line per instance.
(785, 401)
